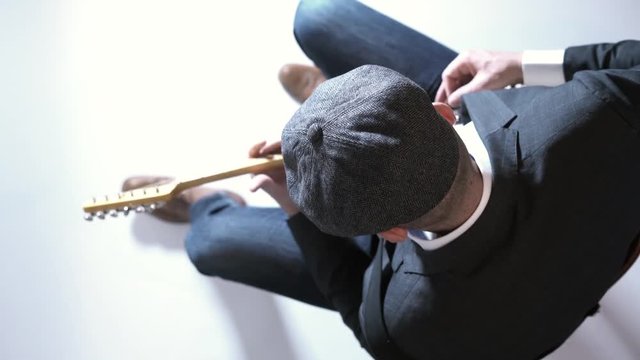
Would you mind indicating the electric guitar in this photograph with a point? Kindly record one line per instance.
(149, 198)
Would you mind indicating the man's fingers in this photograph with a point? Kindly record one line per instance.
(458, 69)
(264, 148)
(271, 148)
(260, 181)
(254, 151)
(441, 95)
(456, 98)
(477, 84)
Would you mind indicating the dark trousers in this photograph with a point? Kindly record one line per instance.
(340, 35)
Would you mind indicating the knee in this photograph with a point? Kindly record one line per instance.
(314, 17)
(208, 251)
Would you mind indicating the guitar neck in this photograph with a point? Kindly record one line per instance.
(149, 197)
(251, 166)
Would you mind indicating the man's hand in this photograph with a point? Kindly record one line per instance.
(274, 182)
(479, 70)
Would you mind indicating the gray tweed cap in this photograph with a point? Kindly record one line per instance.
(367, 152)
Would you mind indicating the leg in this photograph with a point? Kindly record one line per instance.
(340, 35)
(252, 246)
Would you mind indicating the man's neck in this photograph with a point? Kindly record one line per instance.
(460, 204)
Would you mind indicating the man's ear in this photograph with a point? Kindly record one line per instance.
(394, 235)
(445, 111)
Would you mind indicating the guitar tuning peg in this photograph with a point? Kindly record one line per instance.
(150, 207)
(88, 216)
(125, 210)
(140, 209)
(113, 213)
(100, 215)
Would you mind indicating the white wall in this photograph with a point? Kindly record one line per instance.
(92, 91)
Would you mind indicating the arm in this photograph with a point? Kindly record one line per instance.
(618, 88)
(479, 70)
(621, 55)
(336, 264)
(490, 70)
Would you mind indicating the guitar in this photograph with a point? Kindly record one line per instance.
(149, 198)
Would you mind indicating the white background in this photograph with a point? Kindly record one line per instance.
(92, 91)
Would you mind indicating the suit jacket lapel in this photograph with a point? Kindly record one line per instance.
(487, 112)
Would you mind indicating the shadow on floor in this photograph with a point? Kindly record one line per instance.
(254, 313)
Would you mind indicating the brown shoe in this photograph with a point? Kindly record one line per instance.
(300, 80)
(177, 209)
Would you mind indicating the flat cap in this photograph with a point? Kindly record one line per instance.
(367, 152)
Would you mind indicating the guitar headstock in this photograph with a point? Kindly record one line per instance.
(139, 200)
(149, 198)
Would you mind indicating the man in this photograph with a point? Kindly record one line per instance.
(509, 249)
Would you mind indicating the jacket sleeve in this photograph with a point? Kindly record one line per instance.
(620, 55)
(619, 89)
(337, 265)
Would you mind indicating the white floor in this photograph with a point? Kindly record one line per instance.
(92, 91)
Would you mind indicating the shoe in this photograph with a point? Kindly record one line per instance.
(299, 81)
(176, 210)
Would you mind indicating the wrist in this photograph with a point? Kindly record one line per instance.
(289, 209)
(287, 205)
(515, 67)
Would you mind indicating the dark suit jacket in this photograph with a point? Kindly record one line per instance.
(553, 238)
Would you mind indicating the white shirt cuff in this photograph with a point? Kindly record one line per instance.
(543, 67)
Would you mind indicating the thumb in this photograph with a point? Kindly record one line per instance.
(474, 85)
(260, 181)
(441, 95)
